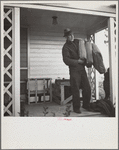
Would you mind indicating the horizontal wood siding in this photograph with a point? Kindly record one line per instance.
(46, 55)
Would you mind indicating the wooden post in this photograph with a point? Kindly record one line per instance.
(62, 94)
(112, 59)
(2, 60)
(44, 89)
(16, 61)
(96, 79)
(89, 78)
(97, 84)
(93, 80)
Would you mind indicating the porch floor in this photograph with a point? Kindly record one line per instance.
(56, 110)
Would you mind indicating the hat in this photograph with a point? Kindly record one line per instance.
(67, 32)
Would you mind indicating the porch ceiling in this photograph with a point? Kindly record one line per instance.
(86, 24)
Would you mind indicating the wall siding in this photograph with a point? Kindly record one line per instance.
(46, 55)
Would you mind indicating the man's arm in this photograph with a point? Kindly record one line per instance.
(68, 61)
(81, 61)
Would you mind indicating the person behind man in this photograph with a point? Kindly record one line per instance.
(78, 76)
(106, 85)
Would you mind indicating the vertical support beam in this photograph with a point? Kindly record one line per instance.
(2, 59)
(97, 84)
(8, 47)
(16, 60)
(92, 75)
(89, 78)
(112, 59)
(96, 79)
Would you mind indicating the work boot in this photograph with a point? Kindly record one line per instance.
(77, 111)
(87, 108)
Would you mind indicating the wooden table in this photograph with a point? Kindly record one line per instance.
(63, 83)
(44, 89)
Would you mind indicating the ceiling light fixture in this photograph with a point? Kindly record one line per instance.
(54, 21)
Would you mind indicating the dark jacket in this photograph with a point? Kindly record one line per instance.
(70, 55)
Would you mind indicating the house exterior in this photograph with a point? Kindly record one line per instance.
(32, 45)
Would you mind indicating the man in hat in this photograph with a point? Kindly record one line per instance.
(78, 76)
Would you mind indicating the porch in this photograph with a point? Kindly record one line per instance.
(56, 110)
(31, 48)
(36, 44)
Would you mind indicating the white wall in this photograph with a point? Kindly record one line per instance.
(46, 54)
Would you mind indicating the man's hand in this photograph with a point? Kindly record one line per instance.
(80, 61)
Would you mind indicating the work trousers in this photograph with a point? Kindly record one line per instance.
(79, 80)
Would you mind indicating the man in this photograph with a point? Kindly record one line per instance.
(78, 76)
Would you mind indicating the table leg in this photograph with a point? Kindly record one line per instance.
(36, 91)
(44, 90)
(62, 94)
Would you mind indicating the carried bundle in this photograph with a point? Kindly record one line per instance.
(89, 60)
(97, 59)
(85, 52)
(82, 50)
(91, 54)
(104, 106)
(94, 57)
